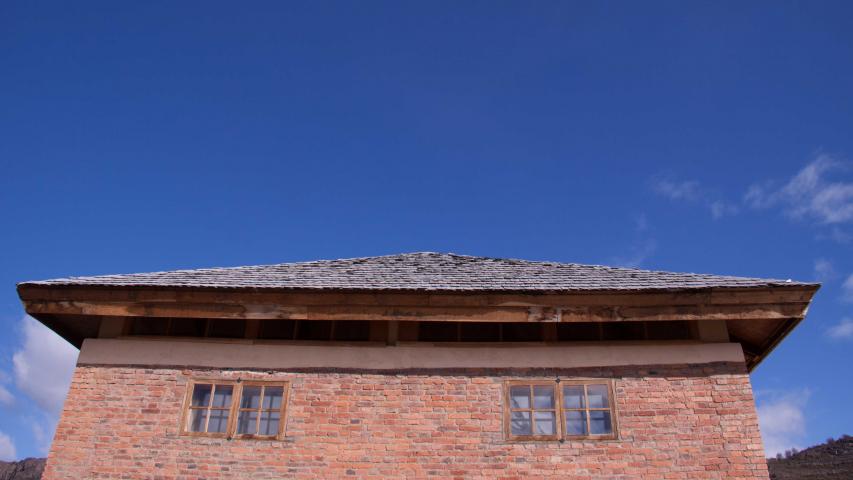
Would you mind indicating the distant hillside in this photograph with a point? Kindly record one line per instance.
(829, 461)
(28, 469)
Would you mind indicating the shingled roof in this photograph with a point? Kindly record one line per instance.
(425, 271)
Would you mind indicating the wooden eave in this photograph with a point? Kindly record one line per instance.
(757, 317)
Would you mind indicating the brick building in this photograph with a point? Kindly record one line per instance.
(420, 365)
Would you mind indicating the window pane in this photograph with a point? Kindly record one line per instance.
(575, 422)
(196, 420)
(545, 422)
(269, 423)
(251, 397)
(599, 423)
(520, 423)
(543, 396)
(201, 395)
(573, 396)
(519, 396)
(247, 422)
(222, 396)
(597, 396)
(218, 421)
(272, 397)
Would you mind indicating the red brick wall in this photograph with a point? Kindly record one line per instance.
(675, 422)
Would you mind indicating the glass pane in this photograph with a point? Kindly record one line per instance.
(520, 423)
(543, 396)
(251, 397)
(519, 396)
(269, 423)
(575, 423)
(196, 420)
(599, 423)
(597, 396)
(573, 396)
(545, 422)
(201, 395)
(247, 422)
(222, 396)
(218, 422)
(272, 397)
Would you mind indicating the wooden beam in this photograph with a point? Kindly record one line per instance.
(393, 333)
(417, 313)
(774, 295)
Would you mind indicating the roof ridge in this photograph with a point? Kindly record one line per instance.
(424, 270)
(204, 269)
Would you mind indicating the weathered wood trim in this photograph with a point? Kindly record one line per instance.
(708, 296)
(417, 313)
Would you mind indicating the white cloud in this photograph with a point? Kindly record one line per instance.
(823, 269)
(642, 247)
(641, 223)
(6, 397)
(676, 189)
(840, 236)
(847, 289)
(43, 429)
(637, 254)
(43, 366)
(843, 330)
(783, 424)
(7, 448)
(809, 194)
(692, 191)
(720, 209)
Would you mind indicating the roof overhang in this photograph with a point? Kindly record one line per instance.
(758, 318)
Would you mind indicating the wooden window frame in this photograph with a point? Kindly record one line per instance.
(234, 409)
(238, 409)
(560, 434)
(508, 410)
(611, 408)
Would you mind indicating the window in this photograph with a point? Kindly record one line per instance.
(532, 411)
(260, 410)
(555, 410)
(224, 408)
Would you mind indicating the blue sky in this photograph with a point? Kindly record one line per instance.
(702, 136)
